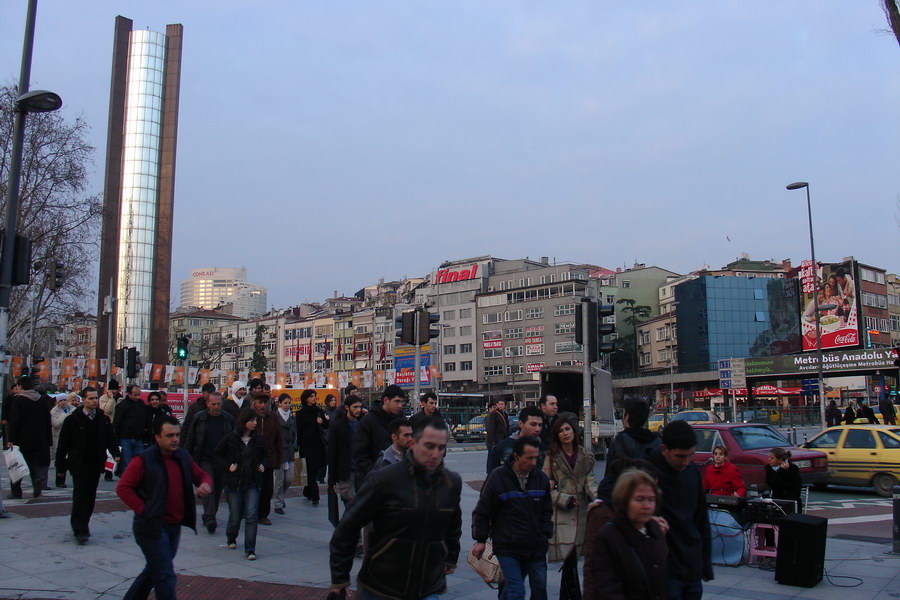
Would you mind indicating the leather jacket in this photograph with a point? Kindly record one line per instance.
(417, 523)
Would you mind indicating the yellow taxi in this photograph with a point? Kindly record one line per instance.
(864, 455)
(473, 431)
(696, 417)
(655, 422)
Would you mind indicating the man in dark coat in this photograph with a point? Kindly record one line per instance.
(636, 441)
(888, 412)
(130, 423)
(428, 406)
(340, 449)
(30, 429)
(268, 427)
(374, 434)
(85, 438)
(207, 429)
(496, 424)
(198, 405)
(549, 406)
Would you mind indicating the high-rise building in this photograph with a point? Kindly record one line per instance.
(139, 189)
(224, 287)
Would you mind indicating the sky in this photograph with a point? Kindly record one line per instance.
(327, 144)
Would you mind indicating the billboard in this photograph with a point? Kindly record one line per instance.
(839, 311)
(405, 366)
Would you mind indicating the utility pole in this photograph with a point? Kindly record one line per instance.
(109, 309)
(584, 315)
(418, 384)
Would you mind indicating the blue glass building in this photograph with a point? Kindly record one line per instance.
(723, 317)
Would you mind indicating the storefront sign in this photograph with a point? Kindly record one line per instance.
(534, 367)
(448, 276)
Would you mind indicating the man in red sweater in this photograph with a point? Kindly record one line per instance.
(158, 486)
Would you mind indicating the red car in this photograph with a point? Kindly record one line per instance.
(748, 447)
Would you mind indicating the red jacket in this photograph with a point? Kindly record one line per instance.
(724, 480)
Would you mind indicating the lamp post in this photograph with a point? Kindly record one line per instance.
(36, 101)
(812, 251)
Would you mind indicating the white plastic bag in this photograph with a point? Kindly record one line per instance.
(15, 463)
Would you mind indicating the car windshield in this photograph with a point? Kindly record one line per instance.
(476, 420)
(754, 438)
(691, 416)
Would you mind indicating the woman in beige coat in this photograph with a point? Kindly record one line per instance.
(573, 487)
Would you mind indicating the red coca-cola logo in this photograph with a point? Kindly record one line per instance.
(849, 338)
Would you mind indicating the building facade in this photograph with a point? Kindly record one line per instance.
(139, 188)
(227, 288)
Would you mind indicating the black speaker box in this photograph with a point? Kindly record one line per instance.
(801, 550)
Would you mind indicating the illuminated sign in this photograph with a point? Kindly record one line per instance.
(448, 276)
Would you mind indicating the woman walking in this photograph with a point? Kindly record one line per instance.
(310, 430)
(285, 471)
(244, 453)
(573, 487)
(156, 410)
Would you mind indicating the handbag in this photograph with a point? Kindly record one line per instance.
(488, 567)
(15, 464)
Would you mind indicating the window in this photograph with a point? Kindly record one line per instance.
(626, 284)
(514, 315)
(662, 355)
(493, 352)
(645, 359)
(829, 439)
(871, 275)
(859, 438)
(465, 330)
(493, 370)
(893, 299)
(450, 349)
(887, 441)
(195, 322)
(874, 300)
(448, 367)
(662, 333)
(564, 309)
(759, 316)
(515, 369)
(465, 313)
(534, 313)
(610, 299)
(644, 337)
(759, 294)
(561, 347)
(491, 317)
(521, 283)
(542, 279)
(463, 348)
(895, 322)
(465, 365)
(449, 332)
(449, 315)
(563, 328)
(513, 333)
(534, 349)
(514, 351)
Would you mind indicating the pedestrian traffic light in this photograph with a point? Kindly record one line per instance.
(134, 363)
(181, 347)
(406, 328)
(428, 327)
(119, 360)
(55, 273)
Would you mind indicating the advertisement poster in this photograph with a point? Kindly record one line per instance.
(405, 364)
(838, 305)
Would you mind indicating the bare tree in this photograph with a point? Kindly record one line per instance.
(892, 14)
(56, 213)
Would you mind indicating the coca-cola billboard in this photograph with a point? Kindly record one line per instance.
(839, 308)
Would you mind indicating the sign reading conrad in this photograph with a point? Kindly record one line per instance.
(868, 359)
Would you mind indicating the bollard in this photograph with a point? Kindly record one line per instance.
(897, 519)
(805, 437)
(793, 435)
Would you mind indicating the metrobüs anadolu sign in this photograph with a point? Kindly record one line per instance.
(848, 360)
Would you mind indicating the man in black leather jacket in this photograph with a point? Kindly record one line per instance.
(414, 509)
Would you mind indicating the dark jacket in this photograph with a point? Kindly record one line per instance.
(519, 522)
(130, 421)
(888, 412)
(288, 436)
(232, 450)
(83, 443)
(270, 431)
(628, 564)
(866, 412)
(684, 507)
(634, 442)
(496, 427)
(833, 416)
(310, 434)
(784, 483)
(501, 452)
(192, 411)
(195, 439)
(30, 428)
(849, 415)
(372, 436)
(419, 416)
(154, 415)
(339, 451)
(231, 407)
(546, 428)
(417, 524)
(153, 490)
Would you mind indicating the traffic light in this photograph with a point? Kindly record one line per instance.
(181, 347)
(897, 357)
(605, 311)
(119, 360)
(21, 274)
(133, 365)
(406, 328)
(55, 272)
(596, 328)
(426, 332)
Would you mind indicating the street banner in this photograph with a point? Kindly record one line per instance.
(104, 365)
(79, 366)
(379, 378)
(367, 379)
(242, 375)
(869, 359)
(17, 363)
(390, 376)
(331, 379)
(179, 375)
(270, 378)
(296, 380)
(356, 378)
(281, 380)
(343, 379)
(204, 377)
(148, 370)
(320, 380)
(170, 373)
(229, 377)
(157, 372)
(192, 375)
(309, 380)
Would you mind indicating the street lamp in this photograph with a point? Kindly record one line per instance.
(812, 251)
(34, 102)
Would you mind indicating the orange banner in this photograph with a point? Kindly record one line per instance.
(17, 363)
(68, 368)
(309, 380)
(179, 375)
(379, 379)
(282, 379)
(331, 380)
(229, 378)
(255, 375)
(204, 376)
(356, 378)
(93, 368)
(157, 373)
(44, 370)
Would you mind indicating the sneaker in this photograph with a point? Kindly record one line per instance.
(264, 521)
(251, 556)
(232, 545)
(279, 511)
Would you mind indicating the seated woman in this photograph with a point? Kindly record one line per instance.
(783, 477)
(631, 549)
(723, 478)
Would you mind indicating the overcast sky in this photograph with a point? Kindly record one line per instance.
(326, 144)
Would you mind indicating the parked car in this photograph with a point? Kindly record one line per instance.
(748, 449)
(865, 455)
(758, 415)
(656, 422)
(695, 417)
(473, 431)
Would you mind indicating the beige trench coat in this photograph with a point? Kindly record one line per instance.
(569, 524)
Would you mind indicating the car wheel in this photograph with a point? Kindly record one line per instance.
(820, 486)
(884, 484)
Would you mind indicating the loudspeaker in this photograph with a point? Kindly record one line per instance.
(801, 550)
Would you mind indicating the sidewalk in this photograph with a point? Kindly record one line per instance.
(41, 561)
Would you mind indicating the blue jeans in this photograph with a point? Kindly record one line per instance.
(514, 573)
(685, 590)
(243, 504)
(130, 449)
(159, 574)
(368, 595)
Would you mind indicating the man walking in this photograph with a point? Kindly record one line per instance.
(157, 486)
(530, 424)
(206, 431)
(268, 427)
(413, 507)
(635, 441)
(684, 508)
(195, 408)
(401, 439)
(515, 511)
(85, 438)
(549, 406)
(30, 429)
(130, 423)
(339, 453)
(496, 423)
(428, 406)
(373, 434)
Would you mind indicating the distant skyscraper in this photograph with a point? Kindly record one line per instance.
(211, 288)
(139, 189)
